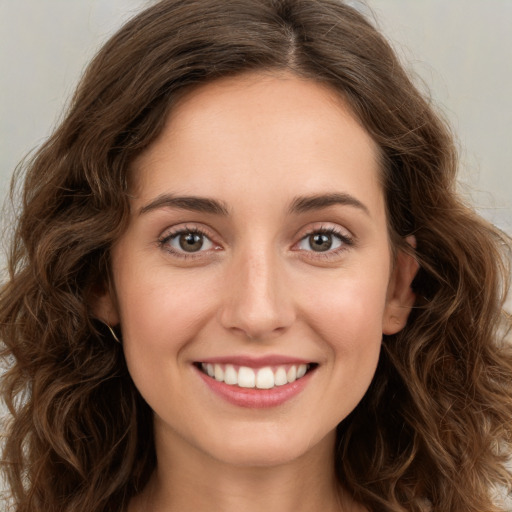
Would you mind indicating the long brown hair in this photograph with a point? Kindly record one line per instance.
(435, 425)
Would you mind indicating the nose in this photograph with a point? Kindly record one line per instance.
(257, 301)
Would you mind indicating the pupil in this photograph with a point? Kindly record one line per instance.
(320, 242)
(191, 242)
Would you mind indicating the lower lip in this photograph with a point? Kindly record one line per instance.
(256, 398)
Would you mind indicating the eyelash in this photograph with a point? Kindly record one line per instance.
(347, 241)
(163, 242)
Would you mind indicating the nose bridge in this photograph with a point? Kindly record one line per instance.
(257, 303)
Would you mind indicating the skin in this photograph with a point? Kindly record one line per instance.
(255, 143)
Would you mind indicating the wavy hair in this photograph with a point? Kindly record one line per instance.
(435, 425)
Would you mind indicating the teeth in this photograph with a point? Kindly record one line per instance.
(218, 373)
(265, 378)
(291, 375)
(301, 371)
(262, 378)
(230, 375)
(280, 377)
(246, 377)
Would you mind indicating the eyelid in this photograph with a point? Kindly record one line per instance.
(346, 237)
(174, 231)
(325, 227)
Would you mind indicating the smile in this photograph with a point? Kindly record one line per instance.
(266, 377)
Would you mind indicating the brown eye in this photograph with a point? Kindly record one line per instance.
(191, 242)
(187, 241)
(320, 242)
(323, 241)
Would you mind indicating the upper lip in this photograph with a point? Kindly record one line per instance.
(255, 362)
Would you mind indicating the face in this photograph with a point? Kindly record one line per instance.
(256, 278)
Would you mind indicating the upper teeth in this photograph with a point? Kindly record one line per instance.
(262, 378)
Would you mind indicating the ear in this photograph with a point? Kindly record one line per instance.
(400, 298)
(104, 307)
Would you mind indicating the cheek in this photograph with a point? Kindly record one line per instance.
(159, 322)
(160, 300)
(349, 315)
(348, 322)
(159, 319)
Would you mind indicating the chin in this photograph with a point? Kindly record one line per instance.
(273, 447)
(261, 457)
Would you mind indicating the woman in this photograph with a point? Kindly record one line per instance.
(241, 279)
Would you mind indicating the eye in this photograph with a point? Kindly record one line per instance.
(320, 242)
(324, 241)
(187, 241)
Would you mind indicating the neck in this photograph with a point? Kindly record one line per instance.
(187, 480)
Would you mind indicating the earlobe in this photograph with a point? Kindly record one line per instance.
(104, 308)
(400, 298)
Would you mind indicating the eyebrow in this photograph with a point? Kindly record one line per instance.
(192, 203)
(317, 202)
(300, 204)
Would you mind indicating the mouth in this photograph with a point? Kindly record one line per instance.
(265, 377)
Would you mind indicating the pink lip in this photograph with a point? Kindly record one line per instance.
(255, 362)
(255, 398)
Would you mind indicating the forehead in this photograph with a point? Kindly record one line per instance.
(273, 128)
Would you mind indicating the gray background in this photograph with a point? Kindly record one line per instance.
(460, 50)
